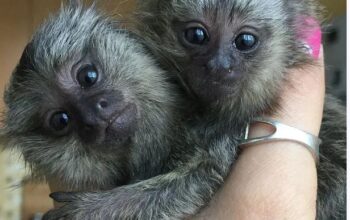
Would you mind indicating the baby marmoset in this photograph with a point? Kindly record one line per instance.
(232, 57)
(213, 132)
(87, 106)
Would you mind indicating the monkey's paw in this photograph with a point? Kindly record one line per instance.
(76, 206)
(119, 203)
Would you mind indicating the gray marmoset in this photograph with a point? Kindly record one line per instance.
(87, 106)
(222, 105)
(231, 57)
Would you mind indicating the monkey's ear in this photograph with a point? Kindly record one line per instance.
(19, 75)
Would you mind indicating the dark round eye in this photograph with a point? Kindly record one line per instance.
(196, 35)
(87, 76)
(246, 42)
(59, 121)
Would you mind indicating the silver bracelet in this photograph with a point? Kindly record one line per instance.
(284, 132)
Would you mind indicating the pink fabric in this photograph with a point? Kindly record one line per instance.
(310, 33)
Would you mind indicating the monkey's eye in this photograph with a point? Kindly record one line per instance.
(59, 121)
(87, 76)
(196, 35)
(246, 42)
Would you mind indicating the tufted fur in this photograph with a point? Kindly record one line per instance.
(264, 73)
(215, 121)
(159, 146)
(36, 86)
(201, 153)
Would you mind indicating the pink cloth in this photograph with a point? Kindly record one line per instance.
(310, 33)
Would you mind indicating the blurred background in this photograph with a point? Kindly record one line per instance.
(18, 20)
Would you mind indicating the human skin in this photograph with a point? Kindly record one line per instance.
(277, 180)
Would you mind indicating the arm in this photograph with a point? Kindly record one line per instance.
(175, 195)
(277, 180)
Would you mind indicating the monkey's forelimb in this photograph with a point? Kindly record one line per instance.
(189, 187)
(175, 195)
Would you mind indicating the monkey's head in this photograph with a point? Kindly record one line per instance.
(86, 102)
(228, 51)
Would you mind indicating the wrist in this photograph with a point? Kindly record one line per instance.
(277, 180)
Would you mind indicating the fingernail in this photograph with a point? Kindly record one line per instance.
(311, 35)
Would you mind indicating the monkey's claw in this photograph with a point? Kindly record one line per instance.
(63, 196)
(71, 209)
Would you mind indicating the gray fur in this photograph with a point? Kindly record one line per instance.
(36, 87)
(257, 91)
(157, 147)
(40, 83)
(215, 123)
(201, 154)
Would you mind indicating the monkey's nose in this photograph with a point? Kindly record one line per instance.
(94, 116)
(222, 67)
(223, 72)
(219, 65)
(96, 110)
(102, 104)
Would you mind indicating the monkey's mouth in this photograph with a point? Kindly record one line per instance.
(122, 124)
(130, 111)
(217, 78)
(211, 86)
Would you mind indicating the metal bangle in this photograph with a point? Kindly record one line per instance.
(284, 132)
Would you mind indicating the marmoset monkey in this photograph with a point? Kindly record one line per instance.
(87, 106)
(232, 57)
(226, 101)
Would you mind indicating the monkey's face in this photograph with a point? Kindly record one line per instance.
(83, 98)
(234, 51)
